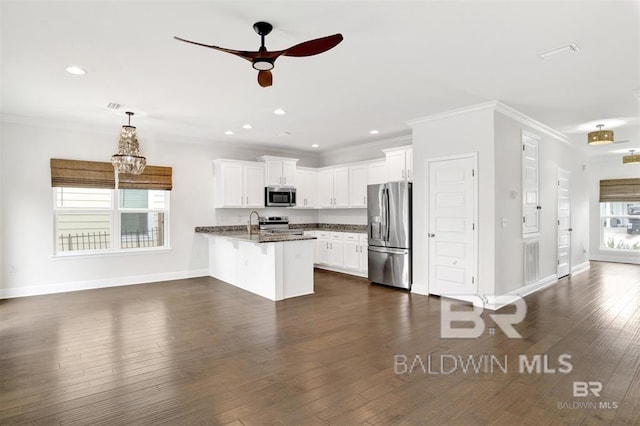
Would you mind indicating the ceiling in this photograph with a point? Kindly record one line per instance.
(399, 61)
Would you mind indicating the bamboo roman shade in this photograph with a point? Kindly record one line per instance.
(96, 174)
(613, 190)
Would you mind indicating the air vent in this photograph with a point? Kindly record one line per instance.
(115, 106)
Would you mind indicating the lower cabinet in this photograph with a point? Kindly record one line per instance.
(341, 251)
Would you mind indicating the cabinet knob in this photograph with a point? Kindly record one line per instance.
(431, 235)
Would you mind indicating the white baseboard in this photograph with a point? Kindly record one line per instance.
(524, 291)
(580, 268)
(38, 290)
(342, 271)
(614, 257)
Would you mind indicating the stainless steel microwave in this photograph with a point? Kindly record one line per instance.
(275, 196)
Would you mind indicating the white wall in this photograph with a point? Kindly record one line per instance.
(27, 210)
(463, 133)
(554, 154)
(600, 169)
(496, 137)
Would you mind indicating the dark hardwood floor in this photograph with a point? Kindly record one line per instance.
(199, 351)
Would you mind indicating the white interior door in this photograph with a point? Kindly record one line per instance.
(564, 223)
(530, 185)
(452, 229)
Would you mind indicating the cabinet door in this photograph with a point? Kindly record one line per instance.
(396, 166)
(254, 186)
(408, 163)
(312, 189)
(377, 172)
(325, 188)
(358, 186)
(341, 187)
(288, 171)
(336, 254)
(231, 193)
(274, 173)
(323, 251)
(364, 258)
(351, 255)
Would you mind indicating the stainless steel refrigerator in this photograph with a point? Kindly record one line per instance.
(389, 233)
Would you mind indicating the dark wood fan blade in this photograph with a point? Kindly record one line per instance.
(265, 78)
(313, 47)
(249, 56)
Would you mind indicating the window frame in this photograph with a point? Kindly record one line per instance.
(115, 231)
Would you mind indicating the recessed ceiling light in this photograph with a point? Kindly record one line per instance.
(279, 111)
(247, 126)
(560, 50)
(76, 70)
(373, 132)
(229, 132)
(315, 145)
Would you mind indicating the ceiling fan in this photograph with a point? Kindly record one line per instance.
(263, 60)
(602, 137)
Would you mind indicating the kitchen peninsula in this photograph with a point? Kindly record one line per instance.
(273, 266)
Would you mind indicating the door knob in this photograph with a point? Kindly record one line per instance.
(570, 229)
(432, 235)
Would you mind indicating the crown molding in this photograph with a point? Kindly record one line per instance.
(503, 109)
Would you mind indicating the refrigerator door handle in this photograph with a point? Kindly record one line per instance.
(388, 214)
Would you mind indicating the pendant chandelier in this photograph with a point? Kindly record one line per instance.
(631, 158)
(600, 137)
(128, 159)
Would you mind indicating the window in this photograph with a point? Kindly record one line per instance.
(620, 214)
(87, 220)
(91, 215)
(620, 225)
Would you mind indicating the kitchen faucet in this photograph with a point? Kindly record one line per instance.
(249, 224)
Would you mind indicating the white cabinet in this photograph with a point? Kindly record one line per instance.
(333, 187)
(355, 252)
(358, 178)
(336, 250)
(279, 171)
(239, 183)
(306, 188)
(399, 162)
(376, 172)
(329, 249)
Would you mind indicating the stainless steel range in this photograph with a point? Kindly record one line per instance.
(276, 225)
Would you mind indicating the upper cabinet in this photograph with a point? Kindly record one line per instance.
(239, 183)
(280, 171)
(333, 187)
(376, 172)
(399, 162)
(306, 188)
(358, 179)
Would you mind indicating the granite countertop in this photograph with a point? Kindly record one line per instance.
(240, 229)
(257, 237)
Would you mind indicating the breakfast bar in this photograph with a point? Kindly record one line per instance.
(273, 266)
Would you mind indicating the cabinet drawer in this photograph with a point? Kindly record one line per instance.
(363, 238)
(336, 235)
(349, 236)
(322, 234)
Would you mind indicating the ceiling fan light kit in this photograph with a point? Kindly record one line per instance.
(631, 158)
(600, 137)
(263, 60)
